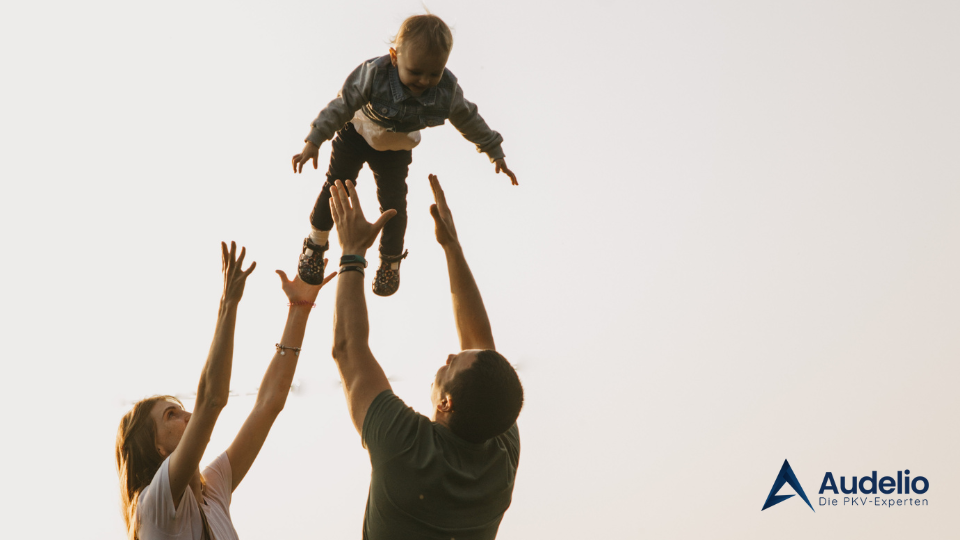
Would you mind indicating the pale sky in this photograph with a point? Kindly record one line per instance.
(736, 240)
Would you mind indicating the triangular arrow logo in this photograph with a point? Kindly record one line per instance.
(786, 476)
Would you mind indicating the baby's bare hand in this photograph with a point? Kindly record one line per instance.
(502, 166)
(310, 151)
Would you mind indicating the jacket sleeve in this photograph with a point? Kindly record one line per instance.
(354, 94)
(465, 117)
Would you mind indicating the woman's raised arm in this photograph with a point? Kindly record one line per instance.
(214, 387)
(277, 380)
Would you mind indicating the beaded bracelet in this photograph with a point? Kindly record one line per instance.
(302, 303)
(280, 349)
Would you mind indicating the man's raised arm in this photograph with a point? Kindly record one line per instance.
(473, 326)
(363, 378)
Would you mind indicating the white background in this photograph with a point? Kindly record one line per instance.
(736, 240)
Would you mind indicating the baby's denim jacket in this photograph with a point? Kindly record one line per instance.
(375, 89)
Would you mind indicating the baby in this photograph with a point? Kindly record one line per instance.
(377, 118)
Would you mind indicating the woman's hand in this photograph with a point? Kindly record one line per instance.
(299, 292)
(234, 277)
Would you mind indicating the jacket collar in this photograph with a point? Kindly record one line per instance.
(399, 92)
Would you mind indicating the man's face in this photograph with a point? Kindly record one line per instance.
(456, 363)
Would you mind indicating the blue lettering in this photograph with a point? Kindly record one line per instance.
(828, 483)
(926, 485)
(853, 485)
(873, 483)
(887, 485)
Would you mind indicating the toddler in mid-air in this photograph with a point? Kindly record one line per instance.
(377, 118)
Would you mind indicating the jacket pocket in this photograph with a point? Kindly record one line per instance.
(385, 109)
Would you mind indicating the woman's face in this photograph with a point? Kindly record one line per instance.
(170, 420)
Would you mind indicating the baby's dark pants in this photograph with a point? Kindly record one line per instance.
(350, 151)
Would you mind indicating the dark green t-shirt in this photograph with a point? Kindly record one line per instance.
(428, 483)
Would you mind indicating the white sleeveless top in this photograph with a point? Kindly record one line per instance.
(159, 520)
(381, 139)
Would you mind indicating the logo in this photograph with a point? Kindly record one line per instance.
(786, 476)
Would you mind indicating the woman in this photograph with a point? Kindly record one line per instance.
(159, 444)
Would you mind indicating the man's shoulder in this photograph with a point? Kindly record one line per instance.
(391, 426)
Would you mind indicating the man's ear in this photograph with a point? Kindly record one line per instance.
(393, 56)
(446, 404)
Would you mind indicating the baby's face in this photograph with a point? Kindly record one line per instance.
(418, 71)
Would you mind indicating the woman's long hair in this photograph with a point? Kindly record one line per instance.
(137, 457)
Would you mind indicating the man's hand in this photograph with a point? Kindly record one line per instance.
(234, 277)
(501, 167)
(442, 218)
(299, 292)
(310, 151)
(354, 232)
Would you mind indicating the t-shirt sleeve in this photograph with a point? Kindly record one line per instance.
(391, 427)
(155, 508)
(511, 441)
(219, 479)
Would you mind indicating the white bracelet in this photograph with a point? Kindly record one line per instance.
(280, 348)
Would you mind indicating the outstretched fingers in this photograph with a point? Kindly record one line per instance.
(336, 205)
(383, 219)
(437, 190)
(243, 253)
(343, 196)
(352, 194)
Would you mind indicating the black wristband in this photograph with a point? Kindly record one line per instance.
(351, 269)
(351, 259)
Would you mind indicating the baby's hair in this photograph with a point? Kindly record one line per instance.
(427, 32)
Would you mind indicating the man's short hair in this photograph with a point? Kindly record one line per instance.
(487, 398)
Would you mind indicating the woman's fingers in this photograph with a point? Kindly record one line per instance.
(243, 253)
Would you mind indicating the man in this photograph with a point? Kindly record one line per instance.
(449, 477)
